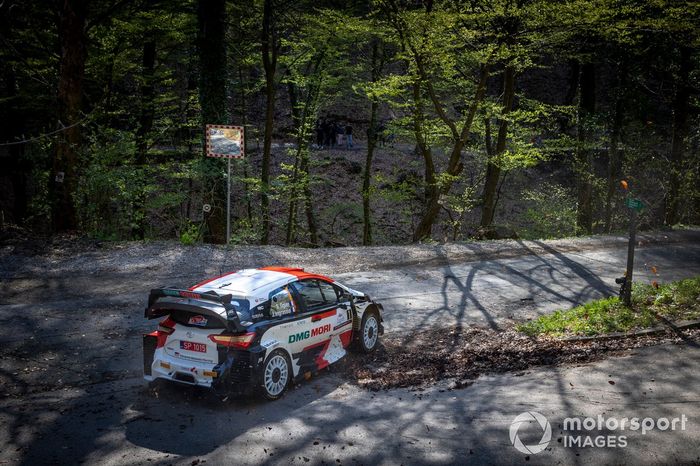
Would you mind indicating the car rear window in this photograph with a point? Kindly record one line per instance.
(192, 319)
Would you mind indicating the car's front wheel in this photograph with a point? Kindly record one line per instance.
(276, 374)
(368, 335)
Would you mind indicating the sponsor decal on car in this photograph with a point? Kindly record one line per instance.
(200, 321)
(307, 334)
(281, 312)
(320, 330)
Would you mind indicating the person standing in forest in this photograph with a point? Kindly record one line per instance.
(329, 134)
(348, 136)
(320, 133)
(339, 133)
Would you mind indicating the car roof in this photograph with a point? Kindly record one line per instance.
(255, 284)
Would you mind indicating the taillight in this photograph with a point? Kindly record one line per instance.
(167, 326)
(234, 341)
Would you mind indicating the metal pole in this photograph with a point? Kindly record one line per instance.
(228, 203)
(630, 258)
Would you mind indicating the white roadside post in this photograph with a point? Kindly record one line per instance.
(225, 141)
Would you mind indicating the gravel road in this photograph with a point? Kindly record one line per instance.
(71, 314)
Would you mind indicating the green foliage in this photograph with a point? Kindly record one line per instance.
(458, 205)
(110, 191)
(551, 213)
(244, 231)
(340, 220)
(190, 234)
(674, 301)
(433, 61)
(391, 191)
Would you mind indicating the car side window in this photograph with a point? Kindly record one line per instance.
(328, 291)
(315, 293)
(281, 302)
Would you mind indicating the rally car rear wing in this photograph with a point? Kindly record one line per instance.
(163, 300)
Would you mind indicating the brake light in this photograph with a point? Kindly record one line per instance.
(167, 326)
(234, 341)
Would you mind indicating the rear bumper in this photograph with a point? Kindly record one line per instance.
(236, 373)
(178, 370)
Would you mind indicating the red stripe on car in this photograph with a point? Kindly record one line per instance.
(297, 272)
(346, 338)
(323, 315)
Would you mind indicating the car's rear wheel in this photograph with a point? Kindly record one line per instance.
(367, 337)
(277, 372)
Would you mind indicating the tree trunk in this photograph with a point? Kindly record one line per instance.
(367, 175)
(143, 130)
(302, 116)
(371, 144)
(425, 227)
(584, 156)
(244, 120)
(680, 132)
(270, 49)
(12, 161)
(212, 98)
(291, 213)
(493, 169)
(614, 157)
(454, 165)
(63, 179)
(308, 203)
(147, 109)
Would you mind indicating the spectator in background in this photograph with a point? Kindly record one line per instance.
(319, 133)
(329, 134)
(339, 133)
(348, 136)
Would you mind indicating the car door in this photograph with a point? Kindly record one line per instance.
(316, 331)
(344, 315)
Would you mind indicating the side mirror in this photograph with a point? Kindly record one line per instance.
(346, 296)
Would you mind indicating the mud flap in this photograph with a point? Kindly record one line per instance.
(149, 348)
(238, 372)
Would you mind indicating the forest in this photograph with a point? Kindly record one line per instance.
(469, 119)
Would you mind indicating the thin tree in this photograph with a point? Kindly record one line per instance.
(270, 49)
(63, 180)
(211, 42)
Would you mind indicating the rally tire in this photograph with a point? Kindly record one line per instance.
(367, 337)
(276, 374)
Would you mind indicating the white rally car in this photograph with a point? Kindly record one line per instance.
(256, 329)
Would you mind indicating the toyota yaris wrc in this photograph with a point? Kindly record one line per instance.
(256, 329)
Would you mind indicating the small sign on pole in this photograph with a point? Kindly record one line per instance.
(225, 141)
(635, 204)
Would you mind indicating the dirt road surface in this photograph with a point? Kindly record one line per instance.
(71, 319)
